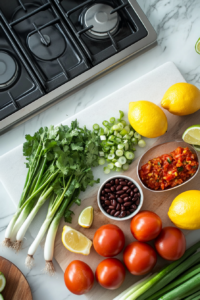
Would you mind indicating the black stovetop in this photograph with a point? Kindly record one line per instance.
(46, 43)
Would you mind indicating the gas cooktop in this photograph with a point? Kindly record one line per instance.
(50, 47)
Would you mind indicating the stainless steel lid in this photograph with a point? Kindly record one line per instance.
(102, 21)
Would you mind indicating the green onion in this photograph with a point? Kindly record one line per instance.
(120, 126)
(110, 166)
(129, 155)
(122, 160)
(96, 127)
(127, 128)
(120, 146)
(101, 153)
(118, 165)
(125, 167)
(112, 120)
(123, 122)
(111, 138)
(119, 152)
(137, 135)
(118, 169)
(101, 131)
(134, 141)
(101, 161)
(123, 132)
(103, 137)
(141, 143)
(115, 127)
(121, 115)
(105, 123)
(111, 156)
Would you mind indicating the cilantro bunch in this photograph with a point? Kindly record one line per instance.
(59, 161)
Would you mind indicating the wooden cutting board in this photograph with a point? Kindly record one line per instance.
(17, 287)
(157, 202)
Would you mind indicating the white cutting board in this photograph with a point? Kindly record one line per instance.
(150, 87)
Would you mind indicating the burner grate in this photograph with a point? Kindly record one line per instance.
(34, 25)
(100, 48)
(19, 86)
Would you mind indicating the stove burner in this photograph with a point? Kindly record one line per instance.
(50, 49)
(102, 21)
(8, 70)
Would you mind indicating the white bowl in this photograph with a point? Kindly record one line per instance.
(133, 213)
(159, 150)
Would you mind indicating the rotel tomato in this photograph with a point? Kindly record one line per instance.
(139, 258)
(109, 240)
(78, 277)
(110, 273)
(146, 226)
(170, 244)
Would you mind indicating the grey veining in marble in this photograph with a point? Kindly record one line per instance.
(177, 23)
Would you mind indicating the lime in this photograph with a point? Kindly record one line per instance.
(192, 135)
(197, 148)
(1, 297)
(2, 282)
(197, 46)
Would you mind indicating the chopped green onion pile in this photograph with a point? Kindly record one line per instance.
(118, 140)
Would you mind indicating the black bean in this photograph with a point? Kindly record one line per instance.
(128, 191)
(126, 199)
(137, 202)
(118, 207)
(107, 190)
(125, 188)
(108, 210)
(124, 196)
(121, 179)
(108, 185)
(112, 197)
(128, 212)
(134, 206)
(127, 204)
(131, 210)
(117, 214)
(122, 207)
(107, 202)
(123, 182)
(119, 187)
(102, 205)
(135, 190)
(111, 207)
(112, 188)
(134, 199)
(119, 192)
(113, 202)
(131, 193)
(102, 192)
(122, 214)
(112, 182)
(116, 181)
(112, 212)
(132, 186)
(120, 200)
(129, 183)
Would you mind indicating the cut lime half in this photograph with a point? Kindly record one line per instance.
(197, 148)
(2, 282)
(1, 297)
(192, 135)
(197, 46)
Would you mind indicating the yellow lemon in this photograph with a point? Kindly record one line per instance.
(75, 241)
(182, 99)
(185, 210)
(147, 119)
(86, 217)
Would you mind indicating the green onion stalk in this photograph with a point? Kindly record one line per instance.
(50, 215)
(52, 231)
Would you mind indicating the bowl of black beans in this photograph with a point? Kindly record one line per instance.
(120, 198)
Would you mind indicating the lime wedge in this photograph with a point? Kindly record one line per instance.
(197, 148)
(192, 135)
(197, 46)
(1, 297)
(2, 282)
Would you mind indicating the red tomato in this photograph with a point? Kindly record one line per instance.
(109, 240)
(171, 243)
(146, 226)
(110, 273)
(78, 277)
(139, 258)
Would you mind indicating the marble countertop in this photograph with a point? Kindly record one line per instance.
(177, 24)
